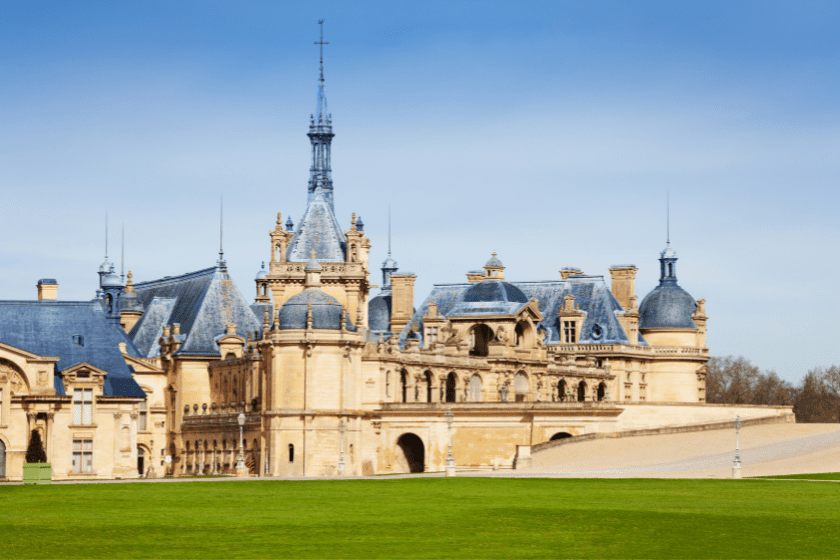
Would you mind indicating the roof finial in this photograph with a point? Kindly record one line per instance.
(389, 230)
(106, 236)
(221, 230)
(321, 43)
(122, 256)
(668, 217)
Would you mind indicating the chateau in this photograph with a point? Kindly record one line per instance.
(152, 378)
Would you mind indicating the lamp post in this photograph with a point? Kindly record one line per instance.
(341, 448)
(241, 470)
(736, 466)
(450, 460)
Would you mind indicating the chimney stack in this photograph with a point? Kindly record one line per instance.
(624, 284)
(47, 289)
(402, 300)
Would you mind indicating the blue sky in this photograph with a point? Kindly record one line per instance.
(549, 132)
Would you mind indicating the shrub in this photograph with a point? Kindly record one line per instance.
(35, 452)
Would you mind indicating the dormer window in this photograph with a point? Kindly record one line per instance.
(432, 335)
(569, 332)
(78, 340)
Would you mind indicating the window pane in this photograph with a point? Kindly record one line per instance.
(141, 423)
(88, 395)
(77, 412)
(88, 462)
(77, 445)
(87, 411)
(87, 445)
(77, 462)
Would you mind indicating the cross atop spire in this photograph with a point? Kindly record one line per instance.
(322, 43)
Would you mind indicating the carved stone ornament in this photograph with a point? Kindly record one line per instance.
(8, 373)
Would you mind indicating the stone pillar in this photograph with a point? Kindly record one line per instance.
(50, 438)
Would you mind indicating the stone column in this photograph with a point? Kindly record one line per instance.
(50, 439)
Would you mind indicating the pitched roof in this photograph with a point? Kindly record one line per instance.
(74, 331)
(201, 302)
(318, 231)
(591, 294)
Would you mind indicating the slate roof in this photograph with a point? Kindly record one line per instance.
(48, 327)
(326, 311)
(667, 306)
(592, 295)
(318, 230)
(202, 302)
(379, 313)
(489, 297)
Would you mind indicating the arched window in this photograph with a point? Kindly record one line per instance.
(561, 390)
(291, 453)
(602, 389)
(428, 377)
(450, 387)
(141, 461)
(520, 386)
(481, 335)
(519, 335)
(475, 388)
(581, 393)
(404, 385)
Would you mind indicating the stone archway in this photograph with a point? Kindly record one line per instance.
(450, 387)
(481, 335)
(413, 453)
(560, 435)
(141, 461)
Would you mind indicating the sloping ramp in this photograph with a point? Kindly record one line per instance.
(766, 450)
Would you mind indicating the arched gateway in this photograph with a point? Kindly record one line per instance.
(413, 452)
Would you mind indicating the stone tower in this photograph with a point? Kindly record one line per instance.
(343, 255)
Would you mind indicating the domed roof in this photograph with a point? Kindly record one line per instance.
(667, 307)
(379, 313)
(494, 290)
(261, 273)
(112, 281)
(668, 253)
(494, 261)
(326, 311)
(312, 265)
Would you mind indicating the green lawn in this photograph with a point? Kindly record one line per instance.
(815, 476)
(424, 518)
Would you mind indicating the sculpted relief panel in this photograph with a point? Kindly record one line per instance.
(9, 373)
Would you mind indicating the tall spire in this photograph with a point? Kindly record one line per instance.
(320, 135)
(106, 267)
(668, 257)
(389, 266)
(122, 255)
(221, 230)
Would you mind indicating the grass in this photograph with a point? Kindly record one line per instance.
(423, 518)
(814, 476)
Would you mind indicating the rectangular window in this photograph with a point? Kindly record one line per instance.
(141, 422)
(569, 332)
(82, 406)
(82, 456)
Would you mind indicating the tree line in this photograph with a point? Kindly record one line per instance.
(736, 381)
